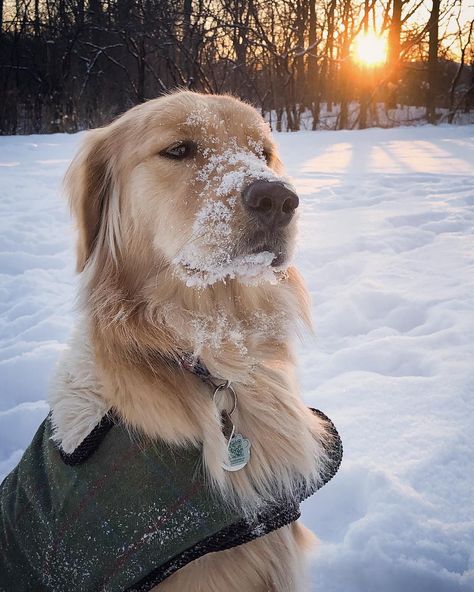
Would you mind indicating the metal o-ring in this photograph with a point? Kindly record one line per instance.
(227, 386)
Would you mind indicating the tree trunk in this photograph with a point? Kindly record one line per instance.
(299, 96)
(394, 52)
(329, 59)
(365, 76)
(80, 13)
(394, 33)
(312, 73)
(469, 98)
(239, 41)
(452, 90)
(343, 118)
(279, 116)
(186, 63)
(141, 67)
(36, 26)
(433, 27)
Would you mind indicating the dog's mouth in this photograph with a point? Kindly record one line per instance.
(276, 245)
(279, 255)
(258, 255)
(250, 265)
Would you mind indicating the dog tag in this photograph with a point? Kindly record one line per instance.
(238, 453)
(238, 447)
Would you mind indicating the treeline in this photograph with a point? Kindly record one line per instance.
(67, 65)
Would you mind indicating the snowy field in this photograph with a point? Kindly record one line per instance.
(387, 249)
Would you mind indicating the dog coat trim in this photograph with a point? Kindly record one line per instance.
(120, 514)
(90, 443)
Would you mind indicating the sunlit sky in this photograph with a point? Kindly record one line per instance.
(370, 49)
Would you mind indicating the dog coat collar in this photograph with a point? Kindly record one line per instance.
(196, 366)
(121, 515)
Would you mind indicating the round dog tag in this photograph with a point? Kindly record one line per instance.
(238, 450)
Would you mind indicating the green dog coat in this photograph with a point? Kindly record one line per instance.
(118, 514)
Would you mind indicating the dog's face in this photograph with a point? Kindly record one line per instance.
(197, 179)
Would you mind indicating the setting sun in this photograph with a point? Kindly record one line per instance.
(370, 49)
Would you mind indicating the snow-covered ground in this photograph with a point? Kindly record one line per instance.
(387, 249)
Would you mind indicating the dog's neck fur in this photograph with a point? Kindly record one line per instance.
(127, 350)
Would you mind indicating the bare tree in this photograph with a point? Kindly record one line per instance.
(433, 28)
(313, 77)
(394, 49)
(70, 64)
(463, 46)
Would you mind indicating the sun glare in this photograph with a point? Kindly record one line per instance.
(369, 49)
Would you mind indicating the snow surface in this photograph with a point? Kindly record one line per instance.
(387, 249)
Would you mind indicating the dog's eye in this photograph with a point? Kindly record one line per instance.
(180, 150)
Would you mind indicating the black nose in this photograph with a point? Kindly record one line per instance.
(273, 202)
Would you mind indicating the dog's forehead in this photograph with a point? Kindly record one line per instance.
(221, 120)
(214, 122)
(199, 116)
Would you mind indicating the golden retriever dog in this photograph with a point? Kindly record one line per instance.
(186, 228)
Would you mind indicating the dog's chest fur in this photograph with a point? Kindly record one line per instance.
(162, 401)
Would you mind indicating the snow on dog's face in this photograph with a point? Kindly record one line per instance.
(195, 178)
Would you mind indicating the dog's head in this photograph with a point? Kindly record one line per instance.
(191, 181)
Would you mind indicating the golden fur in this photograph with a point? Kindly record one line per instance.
(135, 211)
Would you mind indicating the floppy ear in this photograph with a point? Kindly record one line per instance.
(88, 183)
